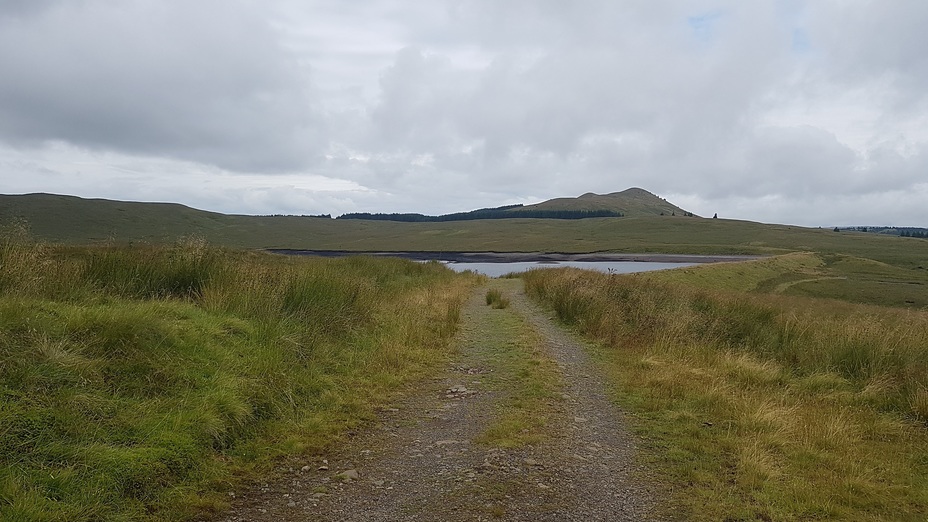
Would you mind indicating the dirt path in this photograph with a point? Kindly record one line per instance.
(430, 458)
(782, 287)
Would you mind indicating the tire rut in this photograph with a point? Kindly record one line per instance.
(421, 461)
(598, 452)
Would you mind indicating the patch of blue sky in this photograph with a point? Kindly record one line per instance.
(703, 26)
(793, 14)
(800, 41)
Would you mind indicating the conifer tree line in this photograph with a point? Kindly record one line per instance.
(486, 213)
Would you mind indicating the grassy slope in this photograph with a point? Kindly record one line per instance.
(772, 406)
(834, 276)
(71, 219)
(66, 219)
(634, 202)
(141, 383)
(762, 407)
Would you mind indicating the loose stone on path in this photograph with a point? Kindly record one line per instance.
(421, 462)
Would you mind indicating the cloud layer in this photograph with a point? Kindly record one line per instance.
(812, 113)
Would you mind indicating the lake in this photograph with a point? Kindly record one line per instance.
(617, 267)
(495, 264)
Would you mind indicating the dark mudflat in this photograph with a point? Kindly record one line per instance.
(516, 257)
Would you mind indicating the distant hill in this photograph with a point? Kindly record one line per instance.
(68, 219)
(485, 213)
(633, 202)
(73, 219)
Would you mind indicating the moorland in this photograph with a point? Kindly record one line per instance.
(152, 356)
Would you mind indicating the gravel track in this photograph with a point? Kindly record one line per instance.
(420, 461)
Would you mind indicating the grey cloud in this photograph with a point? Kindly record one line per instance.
(205, 81)
(25, 8)
(722, 103)
(692, 103)
(871, 40)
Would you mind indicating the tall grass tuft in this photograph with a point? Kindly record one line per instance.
(862, 344)
(133, 377)
(760, 406)
(496, 300)
(183, 270)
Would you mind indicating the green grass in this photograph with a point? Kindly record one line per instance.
(761, 406)
(73, 220)
(633, 202)
(143, 383)
(496, 300)
(834, 276)
(528, 378)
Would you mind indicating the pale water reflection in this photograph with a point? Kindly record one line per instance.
(617, 267)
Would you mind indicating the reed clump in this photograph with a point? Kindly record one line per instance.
(138, 383)
(762, 406)
(496, 300)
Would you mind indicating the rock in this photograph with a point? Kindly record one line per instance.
(291, 504)
(531, 462)
(348, 475)
(323, 468)
(304, 469)
(378, 483)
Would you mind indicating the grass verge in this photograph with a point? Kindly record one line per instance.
(762, 407)
(142, 383)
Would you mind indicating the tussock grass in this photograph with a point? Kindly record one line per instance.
(762, 407)
(140, 383)
(496, 300)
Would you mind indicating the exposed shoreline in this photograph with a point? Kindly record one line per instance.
(516, 257)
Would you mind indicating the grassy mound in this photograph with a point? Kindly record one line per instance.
(762, 407)
(834, 276)
(141, 383)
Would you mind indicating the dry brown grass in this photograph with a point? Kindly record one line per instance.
(763, 407)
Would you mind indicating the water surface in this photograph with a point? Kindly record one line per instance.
(615, 267)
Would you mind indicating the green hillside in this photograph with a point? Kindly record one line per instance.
(633, 202)
(77, 220)
(68, 219)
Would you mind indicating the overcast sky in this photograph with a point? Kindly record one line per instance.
(801, 112)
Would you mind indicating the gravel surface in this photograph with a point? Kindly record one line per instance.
(420, 462)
